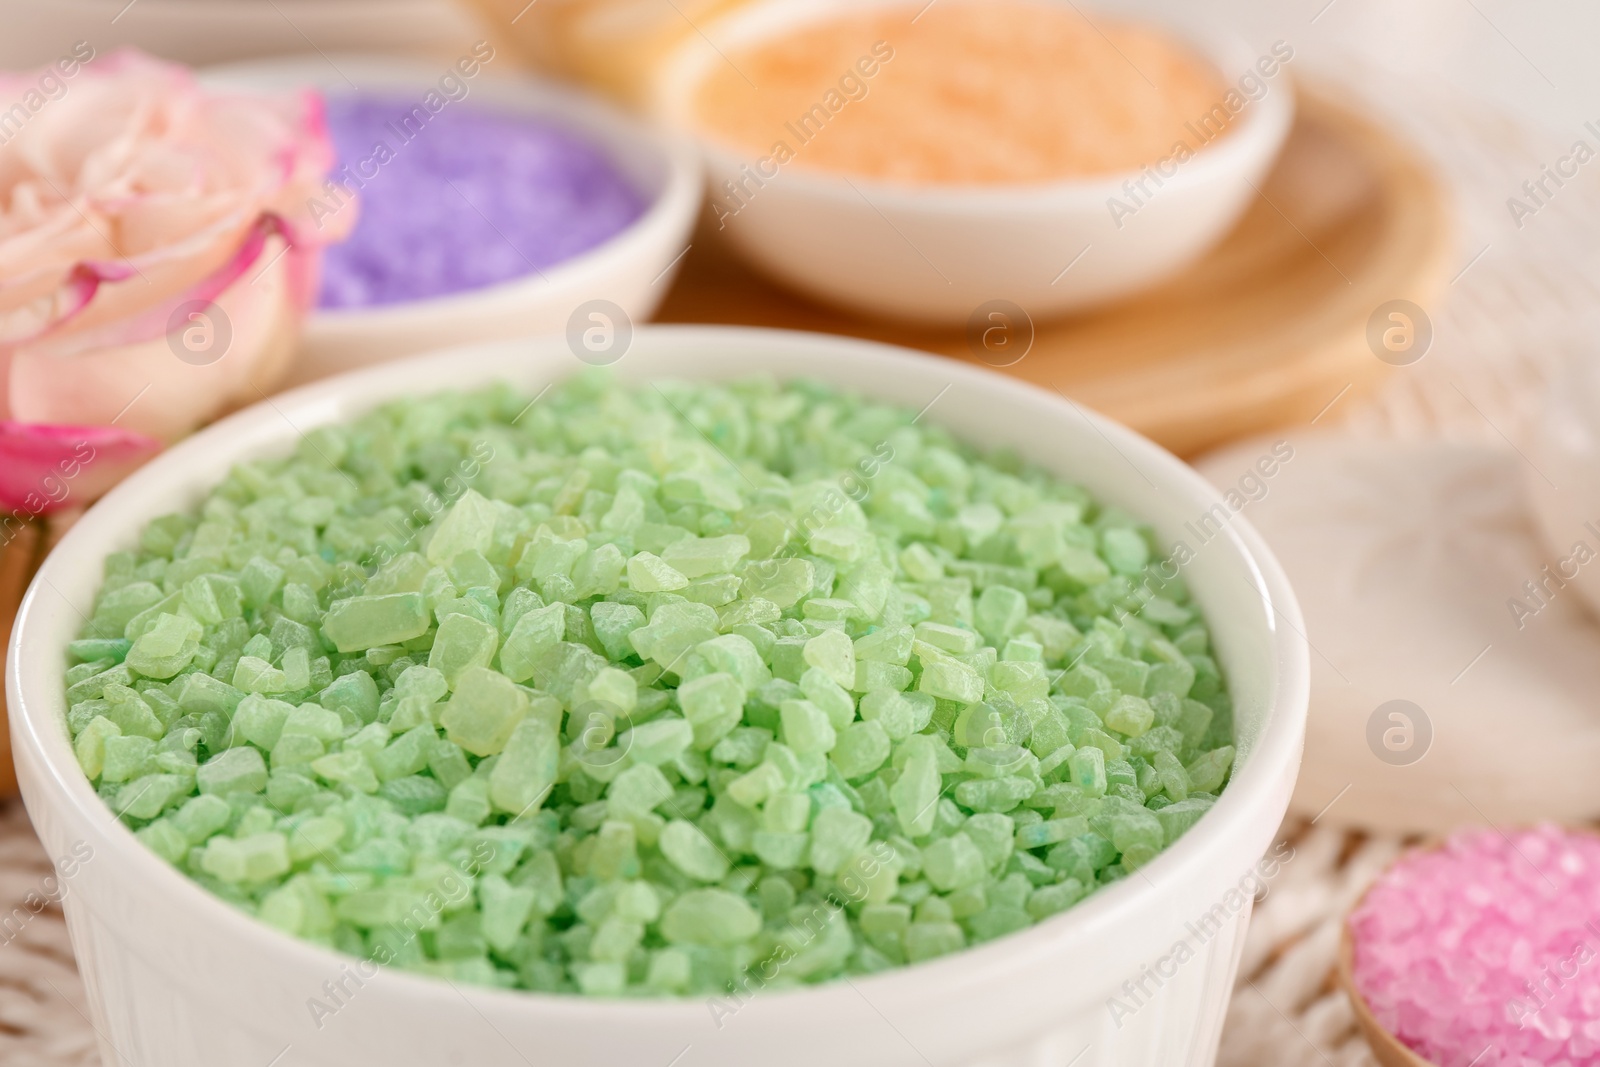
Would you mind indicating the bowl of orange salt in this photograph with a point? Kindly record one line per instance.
(918, 161)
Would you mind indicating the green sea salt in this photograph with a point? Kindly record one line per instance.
(648, 691)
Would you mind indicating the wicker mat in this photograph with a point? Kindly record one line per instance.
(1518, 304)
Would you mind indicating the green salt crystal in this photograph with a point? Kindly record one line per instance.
(658, 742)
(698, 557)
(949, 679)
(467, 526)
(862, 748)
(870, 676)
(406, 754)
(743, 747)
(1024, 679)
(1178, 817)
(889, 645)
(806, 727)
(238, 770)
(846, 544)
(782, 581)
(713, 704)
(900, 714)
(612, 625)
(535, 634)
(162, 838)
(993, 795)
(998, 612)
(834, 702)
(313, 720)
(674, 629)
(364, 622)
(1210, 769)
(780, 850)
(833, 653)
(91, 649)
(1130, 715)
(916, 790)
(1051, 832)
(756, 785)
(201, 816)
(928, 940)
(485, 708)
(1173, 778)
(1048, 900)
(737, 655)
(952, 639)
(688, 849)
(526, 772)
(615, 853)
(1087, 767)
(127, 757)
(1138, 835)
(837, 834)
(614, 688)
(462, 643)
(316, 837)
(149, 795)
(258, 675)
(355, 692)
(414, 794)
(166, 647)
(251, 859)
(649, 573)
(90, 745)
(1124, 550)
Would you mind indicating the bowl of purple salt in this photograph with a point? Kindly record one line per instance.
(490, 205)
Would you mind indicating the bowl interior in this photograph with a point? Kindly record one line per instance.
(1239, 588)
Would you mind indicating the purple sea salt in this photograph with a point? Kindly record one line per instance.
(461, 199)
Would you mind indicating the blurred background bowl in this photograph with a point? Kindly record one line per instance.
(632, 269)
(932, 254)
(218, 31)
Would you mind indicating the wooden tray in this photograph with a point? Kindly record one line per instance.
(1266, 330)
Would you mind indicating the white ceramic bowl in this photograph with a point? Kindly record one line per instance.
(936, 253)
(632, 269)
(177, 978)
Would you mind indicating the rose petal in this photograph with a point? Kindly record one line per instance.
(177, 387)
(44, 468)
(141, 177)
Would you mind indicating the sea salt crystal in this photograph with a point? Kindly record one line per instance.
(1486, 950)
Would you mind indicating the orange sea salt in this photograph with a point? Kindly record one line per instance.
(974, 92)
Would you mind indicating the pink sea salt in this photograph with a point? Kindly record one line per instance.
(1486, 952)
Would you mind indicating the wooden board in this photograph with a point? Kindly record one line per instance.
(1266, 330)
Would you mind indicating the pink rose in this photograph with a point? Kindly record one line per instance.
(156, 258)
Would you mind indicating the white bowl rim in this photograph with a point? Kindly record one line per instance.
(679, 196)
(1261, 126)
(42, 743)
